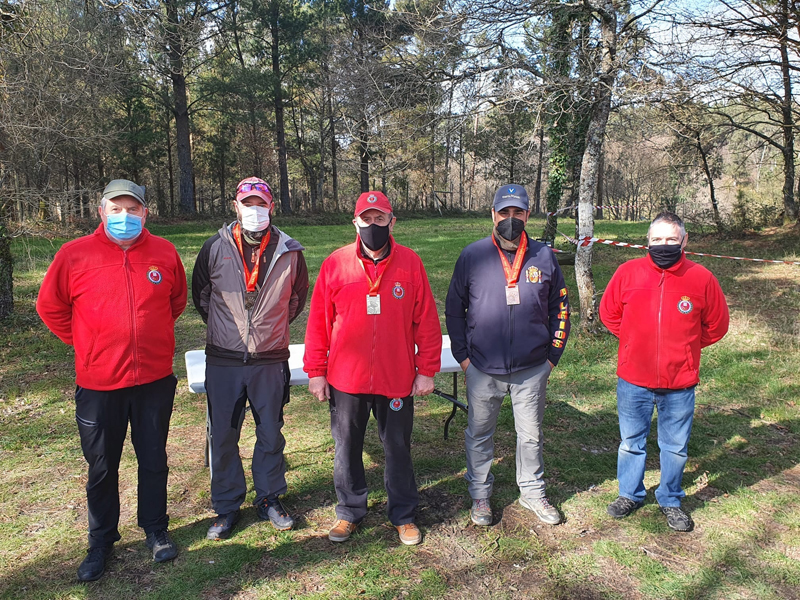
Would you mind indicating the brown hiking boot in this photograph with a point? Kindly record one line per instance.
(341, 530)
(409, 534)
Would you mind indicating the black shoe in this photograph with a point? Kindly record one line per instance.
(677, 519)
(622, 507)
(163, 547)
(271, 509)
(222, 526)
(94, 564)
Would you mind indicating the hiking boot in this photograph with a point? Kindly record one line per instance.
(161, 544)
(341, 530)
(481, 512)
(622, 507)
(271, 509)
(222, 526)
(94, 565)
(409, 534)
(546, 512)
(677, 519)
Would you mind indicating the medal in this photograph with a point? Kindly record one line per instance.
(512, 272)
(512, 295)
(373, 304)
(250, 300)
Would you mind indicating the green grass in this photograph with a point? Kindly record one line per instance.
(742, 477)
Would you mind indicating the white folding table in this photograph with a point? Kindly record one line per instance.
(196, 375)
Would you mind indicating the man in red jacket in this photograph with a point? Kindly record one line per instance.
(664, 309)
(115, 295)
(372, 304)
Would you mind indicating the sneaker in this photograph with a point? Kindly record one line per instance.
(409, 534)
(546, 512)
(94, 564)
(622, 507)
(161, 544)
(222, 526)
(481, 512)
(677, 519)
(271, 509)
(341, 530)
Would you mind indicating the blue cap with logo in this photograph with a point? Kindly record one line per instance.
(511, 195)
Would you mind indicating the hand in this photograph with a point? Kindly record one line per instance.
(552, 366)
(319, 388)
(464, 364)
(423, 385)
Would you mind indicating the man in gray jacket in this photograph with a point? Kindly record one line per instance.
(249, 282)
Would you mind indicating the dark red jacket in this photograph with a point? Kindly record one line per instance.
(663, 317)
(117, 308)
(372, 354)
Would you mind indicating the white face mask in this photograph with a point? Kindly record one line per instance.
(254, 218)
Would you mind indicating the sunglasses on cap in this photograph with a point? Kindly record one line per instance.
(249, 187)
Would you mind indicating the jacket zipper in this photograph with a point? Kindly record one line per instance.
(658, 343)
(129, 281)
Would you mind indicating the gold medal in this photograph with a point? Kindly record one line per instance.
(512, 295)
(374, 304)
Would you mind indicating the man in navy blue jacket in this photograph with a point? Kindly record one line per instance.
(507, 316)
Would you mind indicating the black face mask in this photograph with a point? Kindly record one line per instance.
(510, 228)
(665, 255)
(374, 236)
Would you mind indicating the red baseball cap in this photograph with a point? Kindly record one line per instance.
(376, 200)
(253, 186)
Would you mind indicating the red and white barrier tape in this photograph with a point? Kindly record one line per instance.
(573, 207)
(588, 241)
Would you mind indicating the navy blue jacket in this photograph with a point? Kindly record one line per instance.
(497, 338)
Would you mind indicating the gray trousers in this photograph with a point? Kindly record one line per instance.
(485, 394)
(228, 389)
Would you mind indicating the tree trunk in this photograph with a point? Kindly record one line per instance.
(537, 190)
(789, 204)
(6, 269)
(280, 130)
(590, 169)
(710, 180)
(363, 155)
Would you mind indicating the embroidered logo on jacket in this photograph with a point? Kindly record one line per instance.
(154, 275)
(396, 404)
(685, 305)
(533, 275)
(398, 291)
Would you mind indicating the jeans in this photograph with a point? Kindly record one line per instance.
(675, 412)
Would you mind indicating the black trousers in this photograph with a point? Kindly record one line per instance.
(102, 418)
(228, 389)
(395, 417)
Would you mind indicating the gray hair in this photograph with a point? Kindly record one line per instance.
(668, 217)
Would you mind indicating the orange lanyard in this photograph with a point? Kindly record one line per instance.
(250, 278)
(374, 285)
(512, 272)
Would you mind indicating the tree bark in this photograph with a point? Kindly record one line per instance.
(789, 204)
(6, 269)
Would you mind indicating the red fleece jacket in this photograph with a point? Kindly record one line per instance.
(117, 308)
(372, 354)
(663, 317)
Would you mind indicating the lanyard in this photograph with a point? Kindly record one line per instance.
(374, 285)
(512, 272)
(250, 278)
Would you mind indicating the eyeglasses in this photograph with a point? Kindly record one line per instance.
(249, 187)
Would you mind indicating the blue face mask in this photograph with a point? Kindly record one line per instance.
(123, 227)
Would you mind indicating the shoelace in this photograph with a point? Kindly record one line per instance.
(545, 503)
(276, 504)
(161, 538)
(482, 504)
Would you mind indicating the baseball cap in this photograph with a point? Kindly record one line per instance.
(253, 186)
(511, 195)
(376, 200)
(123, 187)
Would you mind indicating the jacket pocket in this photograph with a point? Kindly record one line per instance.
(690, 359)
(623, 358)
(89, 351)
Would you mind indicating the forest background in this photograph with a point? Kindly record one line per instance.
(639, 106)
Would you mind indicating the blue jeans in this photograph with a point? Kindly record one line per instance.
(675, 412)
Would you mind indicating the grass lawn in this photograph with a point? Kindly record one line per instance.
(742, 478)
